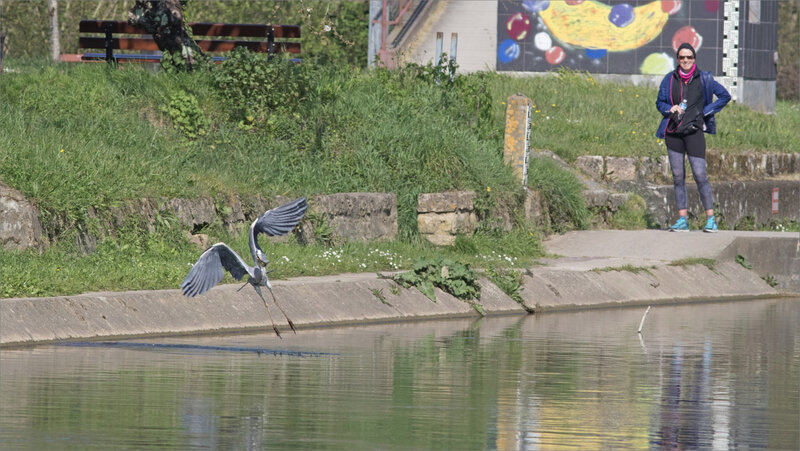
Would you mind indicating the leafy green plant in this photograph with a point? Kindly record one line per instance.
(378, 293)
(323, 231)
(450, 276)
(173, 62)
(742, 260)
(255, 85)
(771, 280)
(186, 115)
(508, 280)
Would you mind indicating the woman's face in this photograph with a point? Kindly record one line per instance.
(685, 59)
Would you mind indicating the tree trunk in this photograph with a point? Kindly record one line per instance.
(164, 20)
(55, 39)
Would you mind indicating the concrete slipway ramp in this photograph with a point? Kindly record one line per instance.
(588, 269)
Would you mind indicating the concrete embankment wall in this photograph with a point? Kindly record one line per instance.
(366, 298)
(734, 202)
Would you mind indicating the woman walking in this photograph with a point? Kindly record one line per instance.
(686, 100)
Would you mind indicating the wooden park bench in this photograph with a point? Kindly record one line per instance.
(117, 36)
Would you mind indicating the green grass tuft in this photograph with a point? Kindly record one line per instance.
(709, 263)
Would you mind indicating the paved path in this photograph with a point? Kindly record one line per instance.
(591, 249)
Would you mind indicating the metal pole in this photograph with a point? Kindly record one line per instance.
(384, 31)
(439, 42)
(374, 32)
(453, 46)
(453, 49)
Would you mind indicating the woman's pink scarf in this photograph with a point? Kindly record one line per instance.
(687, 76)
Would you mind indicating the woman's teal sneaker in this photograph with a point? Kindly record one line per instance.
(681, 225)
(711, 225)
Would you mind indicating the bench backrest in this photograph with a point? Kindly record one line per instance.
(143, 41)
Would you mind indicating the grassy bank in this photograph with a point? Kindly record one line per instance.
(86, 136)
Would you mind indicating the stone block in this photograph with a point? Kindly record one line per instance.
(194, 213)
(535, 208)
(442, 216)
(591, 165)
(445, 202)
(359, 216)
(436, 223)
(620, 169)
(616, 200)
(654, 169)
(20, 227)
(595, 197)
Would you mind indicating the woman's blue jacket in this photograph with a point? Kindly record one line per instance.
(710, 107)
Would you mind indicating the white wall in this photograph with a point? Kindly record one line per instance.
(475, 21)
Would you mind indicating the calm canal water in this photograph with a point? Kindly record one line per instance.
(705, 376)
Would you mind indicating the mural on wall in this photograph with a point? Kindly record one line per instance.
(615, 37)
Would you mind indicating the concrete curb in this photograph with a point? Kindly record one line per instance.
(578, 280)
(351, 299)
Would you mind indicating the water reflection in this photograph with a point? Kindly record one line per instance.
(711, 376)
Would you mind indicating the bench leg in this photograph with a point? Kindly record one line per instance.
(109, 43)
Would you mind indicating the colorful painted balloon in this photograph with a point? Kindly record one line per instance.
(555, 55)
(535, 6)
(621, 15)
(670, 6)
(687, 34)
(542, 41)
(508, 51)
(518, 26)
(712, 6)
(657, 64)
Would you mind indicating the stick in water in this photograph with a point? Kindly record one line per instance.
(643, 317)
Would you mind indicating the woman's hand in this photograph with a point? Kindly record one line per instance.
(676, 108)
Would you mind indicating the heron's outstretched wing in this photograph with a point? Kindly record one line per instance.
(207, 272)
(281, 220)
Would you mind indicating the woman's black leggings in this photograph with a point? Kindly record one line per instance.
(677, 162)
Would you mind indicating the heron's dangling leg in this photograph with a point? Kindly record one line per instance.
(240, 288)
(291, 324)
(274, 327)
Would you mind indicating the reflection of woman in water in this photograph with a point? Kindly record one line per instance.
(687, 91)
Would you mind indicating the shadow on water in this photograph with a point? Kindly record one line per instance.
(190, 347)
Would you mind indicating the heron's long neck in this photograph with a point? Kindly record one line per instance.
(254, 243)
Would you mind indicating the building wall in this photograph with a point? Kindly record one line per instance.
(625, 40)
(620, 37)
(474, 22)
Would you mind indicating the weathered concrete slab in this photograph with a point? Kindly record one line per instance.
(772, 254)
(309, 301)
(734, 201)
(553, 289)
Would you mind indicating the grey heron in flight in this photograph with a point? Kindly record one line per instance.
(207, 272)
